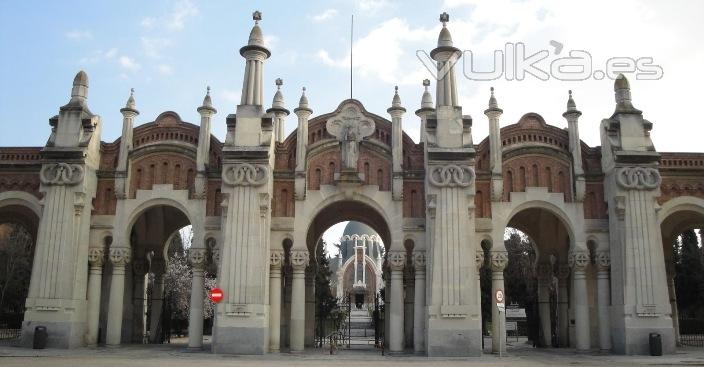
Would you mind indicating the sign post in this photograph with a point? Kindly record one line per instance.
(501, 306)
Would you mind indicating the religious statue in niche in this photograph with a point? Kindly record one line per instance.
(350, 127)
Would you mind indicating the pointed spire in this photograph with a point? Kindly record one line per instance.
(493, 104)
(396, 101)
(571, 106)
(444, 39)
(80, 86)
(278, 101)
(303, 102)
(255, 36)
(207, 102)
(130, 101)
(427, 100)
(622, 92)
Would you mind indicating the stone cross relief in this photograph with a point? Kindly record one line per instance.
(350, 127)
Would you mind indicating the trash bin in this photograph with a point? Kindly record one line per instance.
(655, 344)
(40, 337)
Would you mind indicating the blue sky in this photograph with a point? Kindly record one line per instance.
(170, 50)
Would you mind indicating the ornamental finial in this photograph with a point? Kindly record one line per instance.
(257, 16)
(444, 18)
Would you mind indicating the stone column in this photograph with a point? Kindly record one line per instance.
(544, 280)
(310, 306)
(96, 258)
(158, 268)
(299, 261)
(579, 260)
(419, 302)
(563, 302)
(139, 268)
(275, 259)
(603, 263)
(119, 257)
(672, 292)
(197, 258)
(397, 260)
(499, 260)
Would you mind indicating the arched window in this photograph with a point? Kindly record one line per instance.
(548, 178)
(535, 182)
(522, 181)
(380, 178)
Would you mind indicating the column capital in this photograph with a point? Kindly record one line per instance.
(479, 258)
(603, 260)
(499, 260)
(197, 258)
(396, 260)
(120, 256)
(276, 258)
(578, 260)
(419, 260)
(299, 259)
(96, 256)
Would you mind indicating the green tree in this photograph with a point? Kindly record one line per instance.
(15, 270)
(689, 280)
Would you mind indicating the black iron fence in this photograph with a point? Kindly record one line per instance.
(692, 332)
(10, 336)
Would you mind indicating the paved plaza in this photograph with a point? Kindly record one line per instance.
(176, 355)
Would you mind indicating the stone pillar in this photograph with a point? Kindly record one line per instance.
(579, 260)
(397, 260)
(672, 292)
(495, 148)
(96, 258)
(479, 262)
(419, 303)
(544, 281)
(197, 258)
(157, 302)
(396, 111)
(499, 260)
(275, 259)
(310, 306)
(603, 263)
(119, 257)
(563, 302)
(299, 262)
(139, 269)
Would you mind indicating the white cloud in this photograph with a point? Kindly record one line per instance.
(325, 15)
(373, 6)
(99, 56)
(270, 41)
(79, 35)
(165, 69)
(153, 46)
(174, 20)
(111, 53)
(231, 96)
(128, 63)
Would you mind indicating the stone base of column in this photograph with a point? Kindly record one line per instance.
(242, 335)
(454, 337)
(66, 329)
(630, 336)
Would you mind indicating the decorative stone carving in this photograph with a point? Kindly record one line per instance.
(432, 205)
(603, 260)
(638, 178)
(120, 256)
(197, 257)
(96, 256)
(61, 174)
(419, 260)
(396, 260)
(578, 260)
(479, 258)
(499, 260)
(246, 174)
(451, 175)
(216, 256)
(276, 258)
(350, 127)
(299, 259)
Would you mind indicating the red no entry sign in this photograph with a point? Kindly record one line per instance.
(215, 295)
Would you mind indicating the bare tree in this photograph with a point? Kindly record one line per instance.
(15, 266)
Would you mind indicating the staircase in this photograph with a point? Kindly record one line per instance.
(361, 329)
